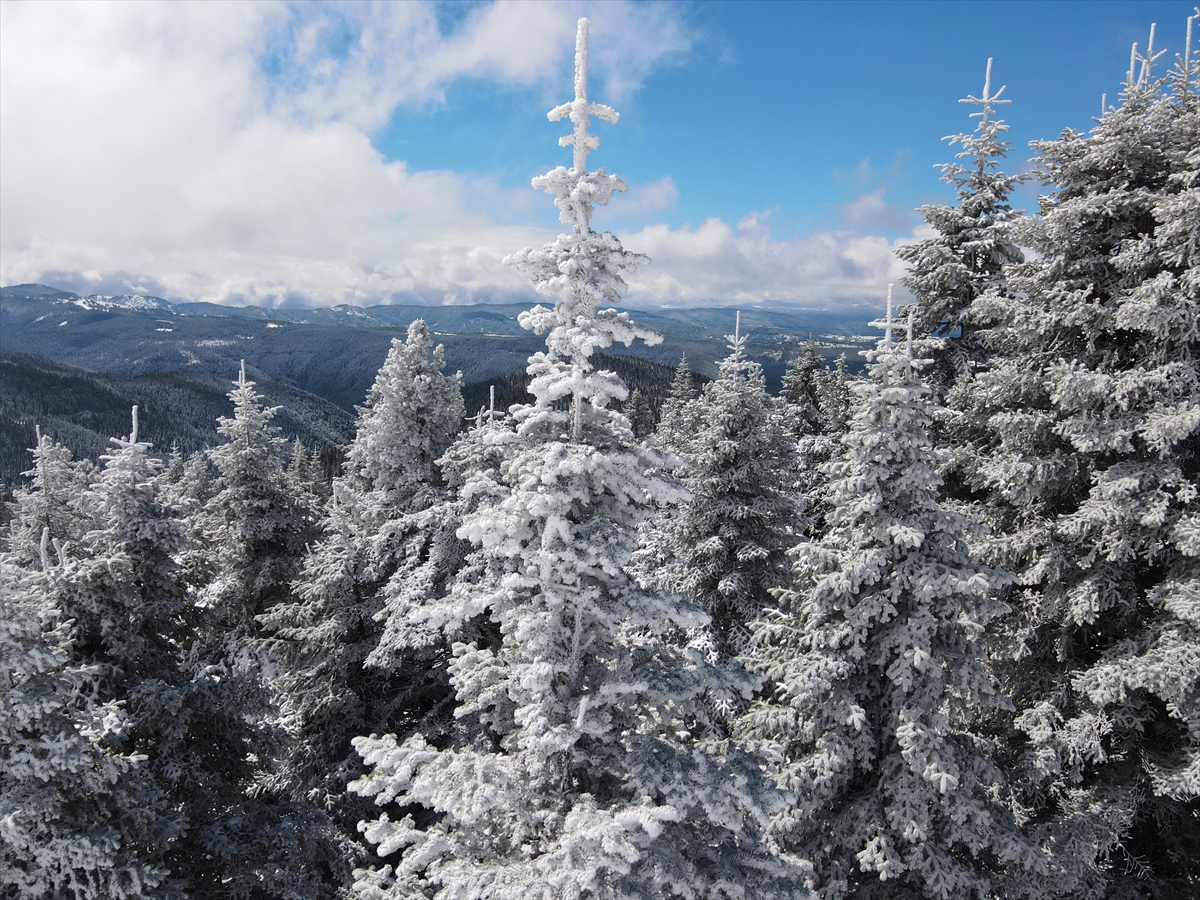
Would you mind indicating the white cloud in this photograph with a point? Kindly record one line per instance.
(223, 152)
(140, 145)
(641, 202)
(870, 211)
(716, 264)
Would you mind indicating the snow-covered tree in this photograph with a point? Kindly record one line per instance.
(413, 654)
(835, 397)
(802, 389)
(876, 683)
(725, 549)
(816, 412)
(379, 522)
(305, 472)
(677, 422)
(257, 521)
(973, 245)
(51, 501)
(77, 819)
(578, 777)
(128, 605)
(186, 485)
(1082, 437)
(131, 618)
(641, 418)
(411, 415)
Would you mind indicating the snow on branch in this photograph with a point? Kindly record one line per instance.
(580, 110)
(988, 100)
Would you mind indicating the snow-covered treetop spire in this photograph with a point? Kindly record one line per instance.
(737, 365)
(988, 100)
(1185, 64)
(1187, 48)
(887, 357)
(133, 435)
(986, 146)
(887, 329)
(576, 190)
(588, 268)
(1143, 75)
(581, 109)
(1147, 61)
(887, 345)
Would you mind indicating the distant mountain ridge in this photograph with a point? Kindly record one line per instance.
(693, 323)
(117, 345)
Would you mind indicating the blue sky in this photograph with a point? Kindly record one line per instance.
(310, 154)
(799, 108)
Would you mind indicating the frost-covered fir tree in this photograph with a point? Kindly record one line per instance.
(875, 682)
(835, 397)
(121, 588)
(78, 820)
(973, 245)
(53, 500)
(411, 415)
(131, 618)
(578, 777)
(304, 469)
(816, 409)
(725, 549)
(641, 418)
(415, 652)
(802, 389)
(1082, 435)
(378, 523)
(677, 423)
(257, 521)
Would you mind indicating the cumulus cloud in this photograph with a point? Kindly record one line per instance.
(641, 202)
(717, 264)
(224, 152)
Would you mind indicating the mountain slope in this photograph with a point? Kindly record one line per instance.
(84, 409)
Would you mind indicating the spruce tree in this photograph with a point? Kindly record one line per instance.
(132, 618)
(876, 685)
(1082, 437)
(379, 526)
(305, 473)
(835, 398)
(725, 549)
(802, 390)
(257, 521)
(973, 246)
(816, 409)
(577, 777)
(641, 419)
(677, 422)
(412, 413)
(78, 816)
(53, 500)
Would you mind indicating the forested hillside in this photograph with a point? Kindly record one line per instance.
(83, 409)
(187, 352)
(334, 353)
(923, 627)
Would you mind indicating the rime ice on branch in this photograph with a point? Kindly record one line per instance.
(988, 101)
(586, 265)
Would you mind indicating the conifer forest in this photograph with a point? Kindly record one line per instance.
(931, 630)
